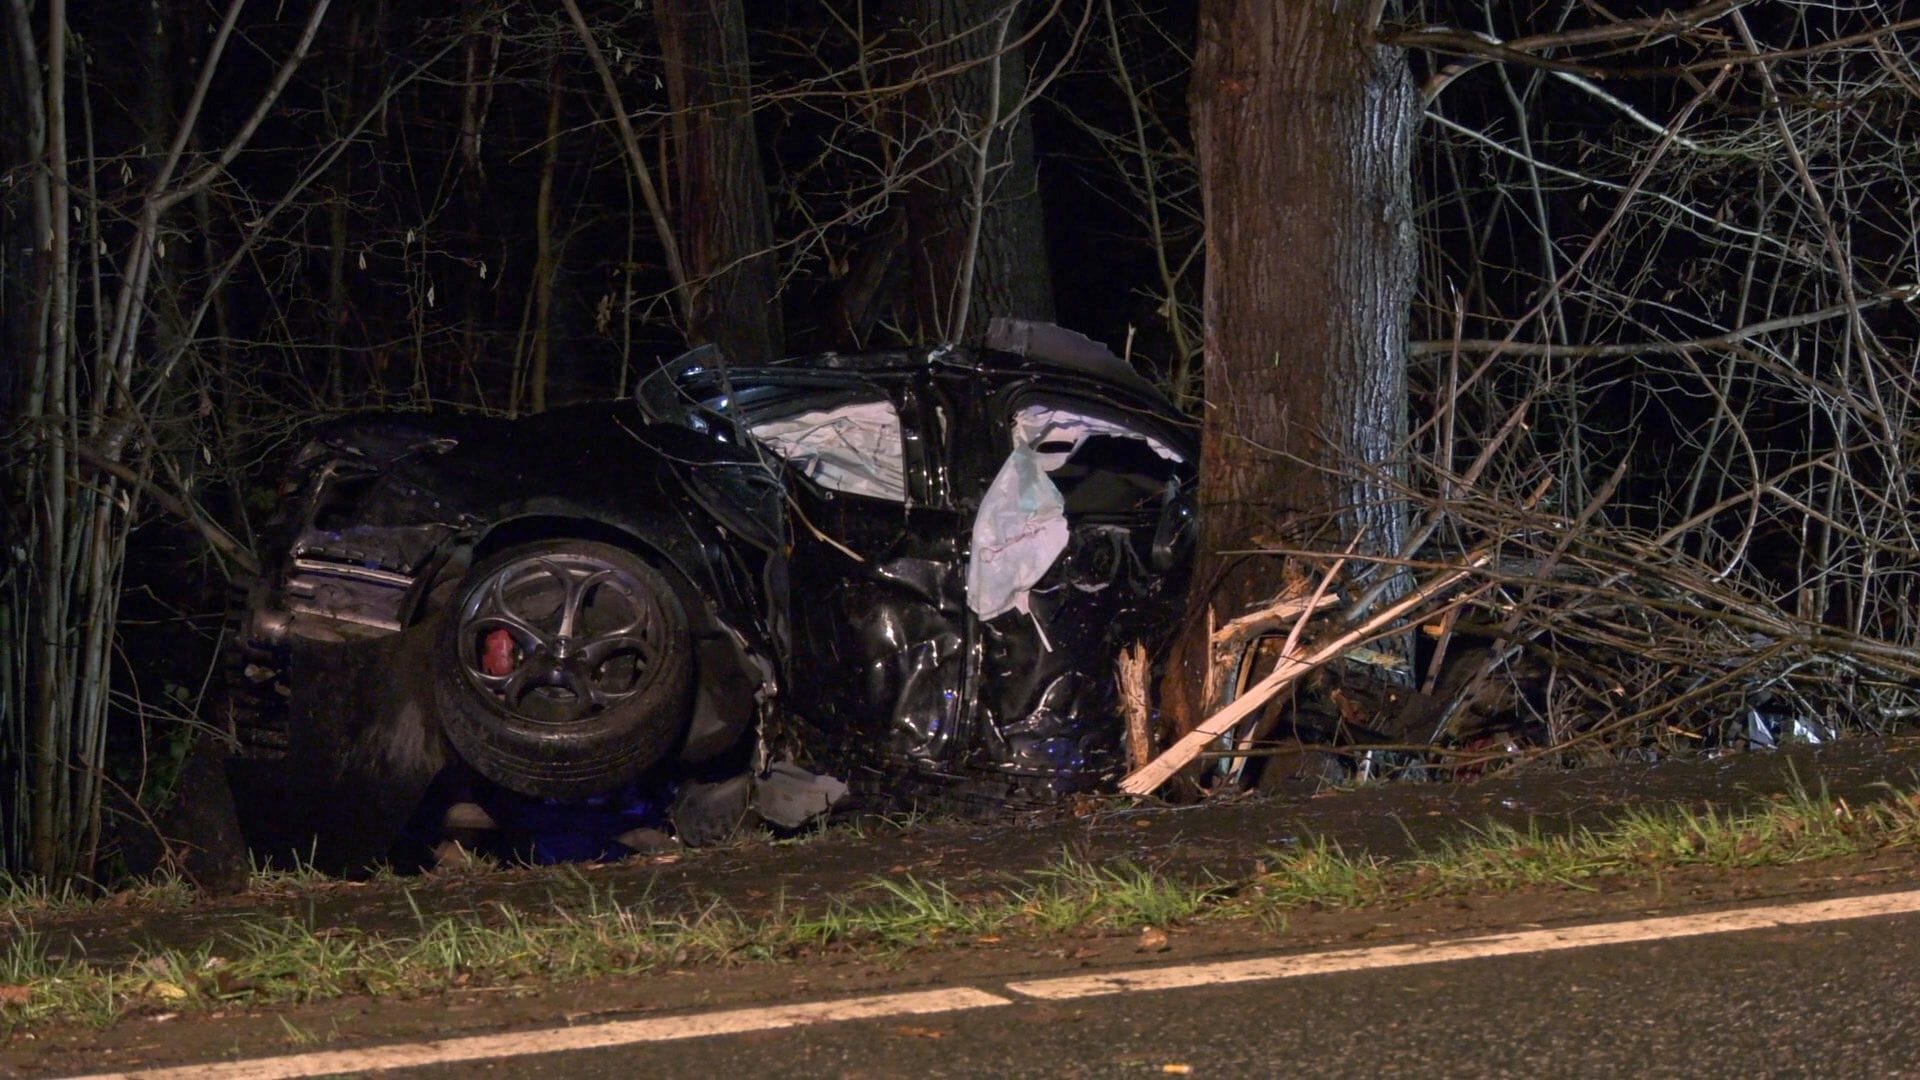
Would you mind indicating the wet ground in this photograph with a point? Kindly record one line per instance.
(1219, 840)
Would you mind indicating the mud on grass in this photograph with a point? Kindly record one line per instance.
(288, 961)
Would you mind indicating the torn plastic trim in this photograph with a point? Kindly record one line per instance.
(782, 795)
(1770, 730)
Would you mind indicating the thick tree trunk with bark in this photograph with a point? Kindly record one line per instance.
(725, 233)
(976, 241)
(1305, 133)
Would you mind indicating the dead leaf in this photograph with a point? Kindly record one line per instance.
(15, 995)
(919, 1032)
(1153, 939)
(1177, 1068)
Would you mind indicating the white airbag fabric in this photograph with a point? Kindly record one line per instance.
(1022, 526)
(1020, 531)
(854, 448)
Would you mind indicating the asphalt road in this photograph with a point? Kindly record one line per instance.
(1814, 986)
(1831, 999)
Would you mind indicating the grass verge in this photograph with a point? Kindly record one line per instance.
(291, 962)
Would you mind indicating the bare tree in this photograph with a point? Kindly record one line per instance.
(721, 194)
(975, 239)
(1663, 399)
(82, 466)
(1305, 129)
(1685, 321)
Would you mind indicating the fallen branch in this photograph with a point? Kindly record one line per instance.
(1289, 669)
(1228, 644)
(1269, 618)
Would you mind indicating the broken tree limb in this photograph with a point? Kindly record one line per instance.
(1290, 668)
(1132, 677)
(1274, 615)
(1229, 645)
(1321, 596)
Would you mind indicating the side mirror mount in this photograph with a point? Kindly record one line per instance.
(659, 393)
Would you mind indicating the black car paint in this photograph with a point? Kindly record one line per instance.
(834, 625)
(1016, 708)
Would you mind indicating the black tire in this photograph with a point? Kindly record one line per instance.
(588, 677)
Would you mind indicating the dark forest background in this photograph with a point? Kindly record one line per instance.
(1656, 348)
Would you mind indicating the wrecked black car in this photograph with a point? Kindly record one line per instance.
(742, 590)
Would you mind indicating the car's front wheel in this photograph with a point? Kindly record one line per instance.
(563, 668)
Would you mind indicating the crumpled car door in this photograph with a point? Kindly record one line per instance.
(968, 558)
(876, 577)
(1062, 577)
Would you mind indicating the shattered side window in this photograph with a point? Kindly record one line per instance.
(1056, 431)
(854, 448)
(1100, 466)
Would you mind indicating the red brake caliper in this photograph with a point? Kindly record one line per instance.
(497, 659)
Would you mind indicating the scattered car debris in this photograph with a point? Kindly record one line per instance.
(1771, 730)
(890, 576)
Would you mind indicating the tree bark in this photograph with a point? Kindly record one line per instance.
(975, 236)
(1304, 128)
(546, 261)
(725, 232)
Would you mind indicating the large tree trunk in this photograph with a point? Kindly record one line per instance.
(725, 233)
(975, 238)
(1305, 130)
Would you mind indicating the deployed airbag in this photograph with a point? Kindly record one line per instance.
(1022, 525)
(1020, 531)
(854, 448)
(1061, 431)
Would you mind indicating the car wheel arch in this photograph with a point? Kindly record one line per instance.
(463, 552)
(716, 640)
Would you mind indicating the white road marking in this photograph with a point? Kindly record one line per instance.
(597, 1036)
(1440, 952)
(739, 1021)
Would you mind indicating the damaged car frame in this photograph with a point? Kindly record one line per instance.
(910, 571)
